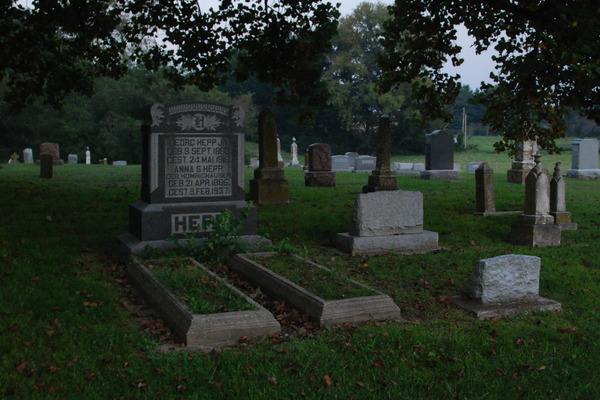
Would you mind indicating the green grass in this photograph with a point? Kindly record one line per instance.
(66, 332)
(326, 284)
(201, 292)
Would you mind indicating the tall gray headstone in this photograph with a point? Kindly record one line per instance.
(535, 227)
(192, 170)
(28, 156)
(523, 162)
(584, 159)
(558, 201)
(485, 196)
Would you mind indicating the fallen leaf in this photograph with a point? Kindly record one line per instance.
(272, 380)
(543, 367)
(22, 366)
(54, 369)
(327, 381)
(359, 385)
(500, 372)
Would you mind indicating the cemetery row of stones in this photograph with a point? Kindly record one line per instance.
(193, 170)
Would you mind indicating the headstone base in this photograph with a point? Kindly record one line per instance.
(545, 235)
(563, 219)
(129, 245)
(150, 222)
(269, 186)
(493, 213)
(414, 243)
(517, 175)
(440, 174)
(319, 179)
(487, 311)
(584, 173)
(380, 181)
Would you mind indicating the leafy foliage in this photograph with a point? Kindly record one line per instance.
(547, 63)
(57, 47)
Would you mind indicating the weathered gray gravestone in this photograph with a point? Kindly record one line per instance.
(523, 163)
(439, 156)
(558, 202)
(485, 197)
(381, 177)
(46, 166)
(504, 285)
(341, 163)
(72, 159)
(387, 221)
(28, 156)
(192, 170)
(319, 166)
(269, 185)
(294, 150)
(364, 163)
(472, 167)
(535, 226)
(584, 159)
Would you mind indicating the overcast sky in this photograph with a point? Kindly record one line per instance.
(476, 68)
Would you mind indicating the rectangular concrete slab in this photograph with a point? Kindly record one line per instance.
(201, 330)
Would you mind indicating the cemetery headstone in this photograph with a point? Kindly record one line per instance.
(72, 158)
(294, 151)
(558, 202)
(523, 163)
(352, 155)
(28, 156)
(319, 172)
(254, 162)
(364, 163)
(279, 156)
(14, 159)
(119, 163)
(192, 170)
(504, 285)
(535, 227)
(381, 177)
(341, 163)
(46, 166)
(88, 156)
(269, 185)
(387, 221)
(54, 150)
(439, 156)
(472, 167)
(584, 159)
(485, 197)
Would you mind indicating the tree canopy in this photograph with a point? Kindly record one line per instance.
(56, 47)
(548, 60)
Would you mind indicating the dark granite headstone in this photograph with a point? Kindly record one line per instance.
(192, 170)
(381, 177)
(439, 150)
(319, 166)
(46, 166)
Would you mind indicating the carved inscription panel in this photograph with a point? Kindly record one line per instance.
(198, 166)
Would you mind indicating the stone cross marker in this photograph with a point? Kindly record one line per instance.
(192, 170)
(535, 226)
(319, 166)
(439, 156)
(485, 197)
(268, 185)
(381, 177)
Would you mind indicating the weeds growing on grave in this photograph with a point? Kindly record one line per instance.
(222, 240)
(69, 328)
(199, 290)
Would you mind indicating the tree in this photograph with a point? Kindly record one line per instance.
(57, 47)
(547, 60)
(353, 75)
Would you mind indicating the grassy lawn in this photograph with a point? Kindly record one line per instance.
(67, 333)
